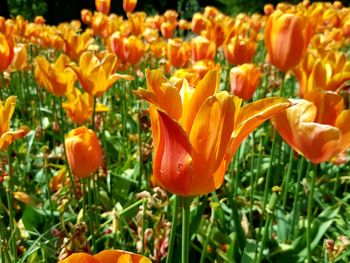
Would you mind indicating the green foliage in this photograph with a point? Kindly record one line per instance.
(27, 8)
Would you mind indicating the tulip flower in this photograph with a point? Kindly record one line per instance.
(20, 58)
(244, 80)
(86, 16)
(137, 23)
(75, 45)
(202, 48)
(129, 5)
(326, 70)
(6, 112)
(198, 23)
(197, 134)
(79, 107)
(317, 128)
(239, 51)
(54, 77)
(96, 76)
(6, 52)
(178, 52)
(84, 152)
(214, 31)
(107, 256)
(103, 6)
(39, 20)
(128, 49)
(167, 29)
(286, 37)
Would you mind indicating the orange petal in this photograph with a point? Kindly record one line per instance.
(210, 136)
(120, 256)
(172, 164)
(80, 258)
(342, 123)
(208, 86)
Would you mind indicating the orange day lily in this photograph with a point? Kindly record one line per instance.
(287, 36)
(84, 152)
(96, 76)
(54, 77)
(79, 107)
(244, 80)
(6, 52)
(317, 127)
(6, 112)
(107, 256)
(197, 134)
(129, 5)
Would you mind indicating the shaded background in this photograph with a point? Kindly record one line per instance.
(56, 11)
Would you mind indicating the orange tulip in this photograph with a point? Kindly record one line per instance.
(197, 134)
(170, 16)
(314, 132)
(239, 51)
(54, 77)
(103, 6)
(6, 136)
(158, 48)
(100, 25)
(128, 49)
(20, 59)
(79, 107)
(86, 16)
(203, 48)
(107, 256)
(6, 52)
(198, 23)
(137, 23)
(178, 52)
(286, 37)
(75, 45)
(167, 29)
(39, 20)
(129, 5)
(214, 31)
(96, 76)
(244, 80)
(326, 70)
(84, 152)
(268, 9)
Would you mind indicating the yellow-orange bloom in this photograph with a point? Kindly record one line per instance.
(137, 23)
(79, 107)
(84, 152)
(107, 256)
(244, 80)
(167, 29)
(129, 5)
(20, 59)
(317, 128)
(128, 49)
(202, 48)
(75, 44)
(54, 77)
(327, 70)
(39, 20)
(197, 134)
(6, 112)
(6, 52)
(86, 16)
(268, 9)
(239, 51)
(96, 76)
(103, 6)
(178, 52)
(286, 37)
(198, 23)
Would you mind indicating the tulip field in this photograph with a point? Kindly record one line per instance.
(151, 138)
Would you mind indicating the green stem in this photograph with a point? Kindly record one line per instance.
(296, 193)
(337, 182)
(309, 212)
(71, 178)
(9, 196)
(208, 234)
(93, 115)
(270, 211)
(91, 215)
(287, 178)
(185, 244)
(173, 230)
(143, 225)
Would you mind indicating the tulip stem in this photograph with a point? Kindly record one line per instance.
(309, 211)
(91, 215)
(71, 178)
(9, 196)
(173, 229)
(287, 178)
(208, 234)
(186, 203)
(302, 163)
(93, 114)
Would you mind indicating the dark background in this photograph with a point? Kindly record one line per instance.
(56, 11)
